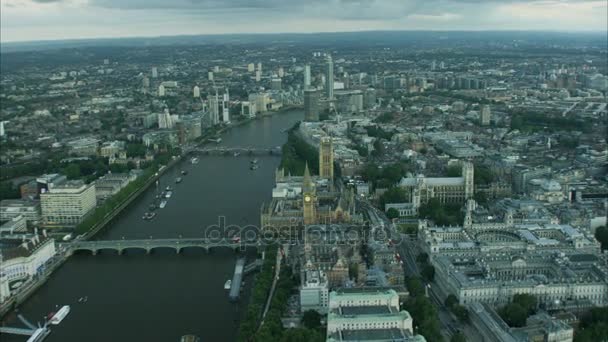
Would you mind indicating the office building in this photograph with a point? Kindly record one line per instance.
(83, 147)
(250, 67)
(154, 72)
(111, 148)
(368, 314)
(47, 181)
(369, 98)
(275, 84)
(161, 91)
(12, 208)
(68, 204)
(349, 101)
(311, 105)
(314, 294)
(210, 75)
(196, 92)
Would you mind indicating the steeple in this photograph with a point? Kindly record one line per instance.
(307, 183)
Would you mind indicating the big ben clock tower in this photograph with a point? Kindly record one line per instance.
(309, 198)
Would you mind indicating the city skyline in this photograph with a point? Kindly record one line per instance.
(34, 20)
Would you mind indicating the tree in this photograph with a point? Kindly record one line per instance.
(513, 314)
(454, 171)
(422, 258)
(353, 271)
(392, 213)
(72, 171)
(415, 286)
(8, 191)
(379, 149)
(450, 301)
(593, 326)
(526, 301)
(482, 175)
(458, 337)
(481, 197)
(428, 272)
(461, 312)
(601, 234)
(311, 319)
(136, 150)
(384, 117)
(393, 195)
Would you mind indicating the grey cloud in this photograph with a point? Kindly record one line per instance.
(280, 4)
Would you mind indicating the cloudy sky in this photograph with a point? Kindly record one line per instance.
(23, 20)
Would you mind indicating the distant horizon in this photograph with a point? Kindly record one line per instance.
(58, 40)
(49, 20)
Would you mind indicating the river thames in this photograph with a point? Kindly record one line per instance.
(162, 296)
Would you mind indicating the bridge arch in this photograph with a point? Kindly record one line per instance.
(163, 248)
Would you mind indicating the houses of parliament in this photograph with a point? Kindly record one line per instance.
(298, 201)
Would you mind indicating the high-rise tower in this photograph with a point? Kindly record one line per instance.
(329, 78)
(486, 115)
(307, 76)
(214, 108)
(326, 159)
(311, 105)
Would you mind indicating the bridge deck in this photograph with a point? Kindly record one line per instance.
(17, 331)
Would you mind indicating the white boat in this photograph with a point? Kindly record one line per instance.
(227, 284)
(169, 194)
(194, 160)
(162, 204)
(60, 315)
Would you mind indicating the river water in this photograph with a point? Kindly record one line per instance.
(161, 296)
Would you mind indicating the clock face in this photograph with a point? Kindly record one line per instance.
(307, 198)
